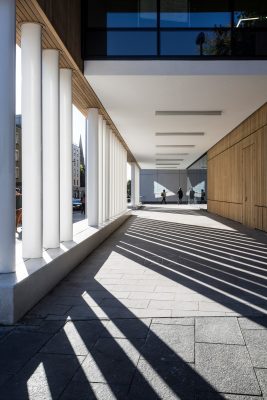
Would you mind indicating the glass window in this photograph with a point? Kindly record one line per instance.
(195, 43)
(122, 14)
(250, 43)
(249, 14)
(194, 13)
(131, 43)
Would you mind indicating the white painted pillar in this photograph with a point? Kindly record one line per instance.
(111, 174)
(31, 110)
(92, 169)
(135, 185)
(100, 169)
(66, 224)
(108, 134)
(50, 123)
(7, 134)
(104, 127)
(115, 176)
(121, 178)
(125, 180)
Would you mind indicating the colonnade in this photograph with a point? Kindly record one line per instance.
(106, 168)
(47, 148)
(46, 108)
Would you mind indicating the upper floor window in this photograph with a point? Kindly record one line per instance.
(175, 28)
(122, 14)
(194, 14)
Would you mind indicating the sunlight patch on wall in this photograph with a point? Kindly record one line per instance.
(158, 188)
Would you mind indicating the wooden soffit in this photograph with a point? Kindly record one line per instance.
(84, 96)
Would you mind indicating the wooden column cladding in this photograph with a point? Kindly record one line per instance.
(237, 173)
(83, 95)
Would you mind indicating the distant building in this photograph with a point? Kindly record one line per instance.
(82, 164)
(18, 152)
(75, 170)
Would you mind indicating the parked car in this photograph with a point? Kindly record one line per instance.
(76, 204)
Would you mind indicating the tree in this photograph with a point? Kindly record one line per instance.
(82, 175)
(129, 189)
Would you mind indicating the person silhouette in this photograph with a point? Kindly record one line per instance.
(163, 195)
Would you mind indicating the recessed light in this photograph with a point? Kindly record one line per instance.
(166, 165)
(172, 154)
(189, 112)
(175, 145)
(179, 134)
(169, 159)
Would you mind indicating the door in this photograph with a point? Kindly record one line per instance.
(248, 186)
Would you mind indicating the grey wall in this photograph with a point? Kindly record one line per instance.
(153, 181)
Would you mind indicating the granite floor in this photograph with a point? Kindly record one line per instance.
(171, 306)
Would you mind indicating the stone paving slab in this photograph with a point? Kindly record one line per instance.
(218, 330)
(163, 380)
(227, 368)
(262, 378)
(43, 378)
(256, 341)
(111, 361)
(167, 341)
(18, 347)
(174, 321)
(93, 391)
(127, 328)
(75, 338)
(256, 323)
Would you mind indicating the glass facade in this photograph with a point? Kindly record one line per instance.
(174, 29)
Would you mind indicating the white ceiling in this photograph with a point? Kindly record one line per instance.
(132, 91)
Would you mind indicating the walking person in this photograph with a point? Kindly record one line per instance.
(83, 204)
(163, 195)
(180, 195)
(192, 196)
(18, 209)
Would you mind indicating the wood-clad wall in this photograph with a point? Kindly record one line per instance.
(237, 173)
(65, 16)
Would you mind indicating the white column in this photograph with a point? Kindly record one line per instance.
(125, 179)
(66, 225)
(100, 169)
(92, 172)
(50, 148)
(111, 174)
(104, 170)
(108, 134)
(115, 176)
(7, 134)
(135, 185)
(121, 177)
(31, 110)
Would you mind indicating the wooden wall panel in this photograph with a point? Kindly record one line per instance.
(226, 169)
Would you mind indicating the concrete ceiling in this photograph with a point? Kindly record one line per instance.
(132, 91)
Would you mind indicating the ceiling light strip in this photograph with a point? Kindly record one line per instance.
(189, 112)
(175, 145)
(169, 159)
(179, 134)
(172, 154)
